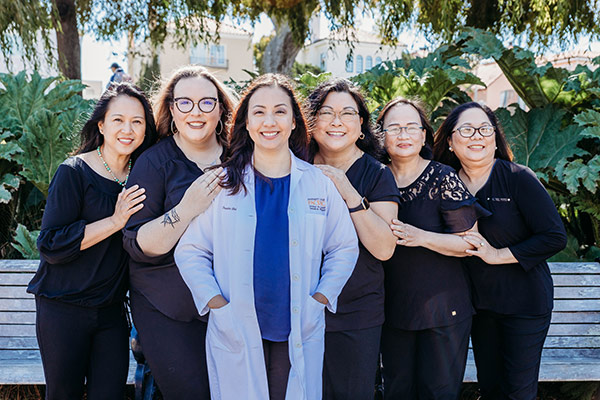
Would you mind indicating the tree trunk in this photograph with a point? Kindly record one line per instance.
(281, 52)
(69, 49)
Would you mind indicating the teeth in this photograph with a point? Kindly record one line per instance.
(269, 134)
(125, 140)
(196, 124)
(336, 133)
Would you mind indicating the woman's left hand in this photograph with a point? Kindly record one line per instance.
(407, 234)
(341, 182)
(483, 249)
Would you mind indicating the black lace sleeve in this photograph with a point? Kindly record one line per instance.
(460, 208)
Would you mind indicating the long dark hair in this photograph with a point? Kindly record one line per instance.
(241, 146)
(164, 100)
(441, 151)
(427, 150)
(372, 143)
(90, 133)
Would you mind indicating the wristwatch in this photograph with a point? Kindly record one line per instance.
(364, 205)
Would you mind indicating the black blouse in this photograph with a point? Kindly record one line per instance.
(96, 276)
(525, 220)
(166, 173)
(425, 289)
(360, 304)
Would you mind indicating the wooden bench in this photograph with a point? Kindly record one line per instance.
(571, 351)
(20, 361)
(572, 348)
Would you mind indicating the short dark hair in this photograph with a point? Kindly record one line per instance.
(441, 151)
(115, 65)
(90, 133)
(427, 150)
(372, 143)
(241, 146)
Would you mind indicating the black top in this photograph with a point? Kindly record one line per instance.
(166, 173)
(425, 289)
(525, 220)
(360, 305)
(96, 276)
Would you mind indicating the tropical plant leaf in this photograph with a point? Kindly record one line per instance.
(577, 172)
(591, 120)
(308, 81)
(8, 181)
(537, 137)
(8, 146)
(25, 242)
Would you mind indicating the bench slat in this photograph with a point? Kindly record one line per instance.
(21, 279)
(576, 280)
(19, 265)
(576, 305)
(17, 330)
(17, 304)
(577, 293)
(577, 317)
(574, 330)
(26, 317)
(14, 292)
(18, 343)
(572, 341)
(565, 370)
(574, 268)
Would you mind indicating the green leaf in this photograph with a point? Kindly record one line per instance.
(537, 137)
(25, 242)
(8, 146)
(575, 173)
(8, 181)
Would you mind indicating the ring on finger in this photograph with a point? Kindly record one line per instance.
(481, 244)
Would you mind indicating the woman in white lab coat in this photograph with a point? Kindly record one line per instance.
(275, 248)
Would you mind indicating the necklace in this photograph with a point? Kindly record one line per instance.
(110, 171)
(213, 162)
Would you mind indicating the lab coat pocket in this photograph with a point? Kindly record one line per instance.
(222, 330)
(313, 320)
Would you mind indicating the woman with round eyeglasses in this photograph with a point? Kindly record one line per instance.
(511, 283)
(344, 147)
(427, 302)
(274, 249)
(192, 110)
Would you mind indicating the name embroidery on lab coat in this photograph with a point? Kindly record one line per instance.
(317, 204)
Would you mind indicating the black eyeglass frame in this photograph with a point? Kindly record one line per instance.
(194, 103)
(475, 130)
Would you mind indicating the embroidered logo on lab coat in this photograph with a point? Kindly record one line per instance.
(317, 205)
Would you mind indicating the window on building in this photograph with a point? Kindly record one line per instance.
(212, 55)
(350, 64)
(359, 64)
(323, 61)
(505, 97)
(368, 62)
(377, 60)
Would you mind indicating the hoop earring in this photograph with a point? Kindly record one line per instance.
(218, 132)
(173, 127)
(362, 136)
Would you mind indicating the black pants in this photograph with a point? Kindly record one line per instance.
(426, 364)
(83, 343)
(277, 361)
(507, 350)
(350, 364)
(175, 351)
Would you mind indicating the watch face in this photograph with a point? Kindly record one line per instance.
(365, 203)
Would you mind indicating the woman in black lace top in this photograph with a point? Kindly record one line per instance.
(427, 303)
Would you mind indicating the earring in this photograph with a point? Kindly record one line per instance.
(218, 132)
(173, 127)
(362, 136)
(496, 148)
(450, 148)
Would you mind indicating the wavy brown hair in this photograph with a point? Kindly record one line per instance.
(241, 146)
(163, 100)
(90, 137)
(372, 143)
(427, 150)
(441, 151)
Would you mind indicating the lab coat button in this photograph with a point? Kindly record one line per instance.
(296, 277)
(294, 242)
(298, 345)
(295, 310)
(291, 210)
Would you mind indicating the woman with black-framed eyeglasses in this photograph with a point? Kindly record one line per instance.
(427, 304)
(511, 283)
(192, 110)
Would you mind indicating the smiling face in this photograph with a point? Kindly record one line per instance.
(403, 145)
(338, 124)
(270, 119)
(195, 127)
(478, 149)
(124, 125)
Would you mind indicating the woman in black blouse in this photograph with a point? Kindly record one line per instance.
(511, 283)
(343, 146)
(192, 110)
(81, 283)
(428, 307)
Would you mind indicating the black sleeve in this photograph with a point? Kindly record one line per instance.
(460, 210)
(62, 229)
(147, 176)
(540, 215)
(384, 187)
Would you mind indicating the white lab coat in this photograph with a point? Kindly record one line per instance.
(215, 256)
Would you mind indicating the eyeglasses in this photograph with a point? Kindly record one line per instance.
(469, 131)
(344, 116)
(205, 104)
(410, 129)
